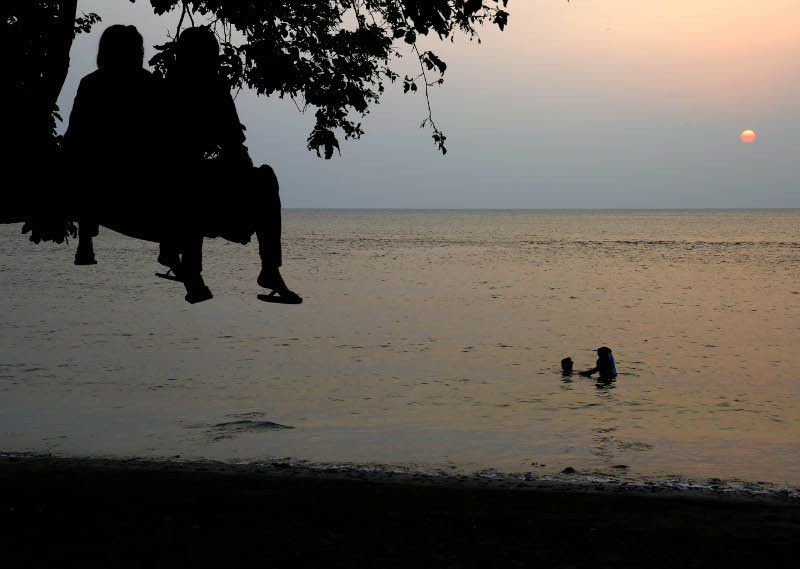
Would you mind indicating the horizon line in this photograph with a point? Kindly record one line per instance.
(543, 208)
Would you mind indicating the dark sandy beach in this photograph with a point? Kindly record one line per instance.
(116, 513)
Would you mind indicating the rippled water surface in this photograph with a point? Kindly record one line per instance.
(426, 338)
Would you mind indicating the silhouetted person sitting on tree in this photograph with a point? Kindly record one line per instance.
(605, 365)
(112, 132)
(225, 196)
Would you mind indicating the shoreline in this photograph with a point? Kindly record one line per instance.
(574, 481)
(133, 512)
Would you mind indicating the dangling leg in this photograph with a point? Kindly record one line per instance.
(169, 256)
(166, 215)
(192, 266)
(268, 232)
(87, 229)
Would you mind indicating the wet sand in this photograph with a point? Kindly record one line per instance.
(137, 513)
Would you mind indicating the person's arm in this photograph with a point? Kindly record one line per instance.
(588, 372)
(76, 135)
(232, 146)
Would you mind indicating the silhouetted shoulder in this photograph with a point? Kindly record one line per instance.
(100, 79)
(94, 78)
(90, 84)
(116, 118)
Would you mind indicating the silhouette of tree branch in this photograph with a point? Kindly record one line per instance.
(333, 55)
(438, 136)
(184, 9)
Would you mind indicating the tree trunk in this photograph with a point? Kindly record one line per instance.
(60, 44)
(40, 34)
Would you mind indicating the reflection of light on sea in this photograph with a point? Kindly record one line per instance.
(607, 423)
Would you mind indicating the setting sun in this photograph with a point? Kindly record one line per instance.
(748, 136)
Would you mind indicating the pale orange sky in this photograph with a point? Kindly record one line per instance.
(716, 53)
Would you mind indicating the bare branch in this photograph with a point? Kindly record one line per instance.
(180, 22)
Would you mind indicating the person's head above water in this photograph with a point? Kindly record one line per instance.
(121, 49)
(198, 52)
(604, 351)
(566, 366)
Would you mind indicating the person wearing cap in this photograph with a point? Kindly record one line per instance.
(604, 365)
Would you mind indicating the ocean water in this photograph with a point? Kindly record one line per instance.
(427, 338)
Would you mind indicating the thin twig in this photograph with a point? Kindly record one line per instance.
(180, 22)
(191, 18)
(427, 85)
(301, 111)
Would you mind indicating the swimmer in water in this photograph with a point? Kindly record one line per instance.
(605, 365)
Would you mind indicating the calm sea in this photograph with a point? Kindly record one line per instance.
(427, 338)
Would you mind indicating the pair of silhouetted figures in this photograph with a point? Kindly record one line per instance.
(605, 365)
(167, 161)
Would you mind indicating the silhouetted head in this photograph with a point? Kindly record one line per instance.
(121, 49)
(198, 52)
(566, 366)
(604, 351)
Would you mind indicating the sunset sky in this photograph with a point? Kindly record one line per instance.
(586, 104)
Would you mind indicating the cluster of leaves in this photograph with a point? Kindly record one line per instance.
(84, 23)
(331, 55)
(55, 228)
